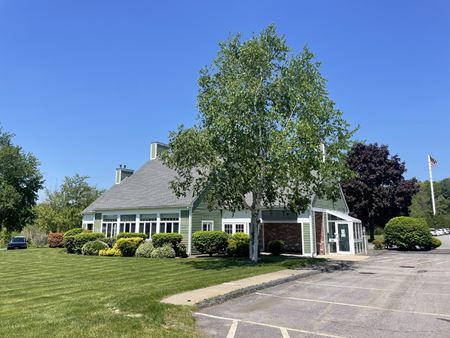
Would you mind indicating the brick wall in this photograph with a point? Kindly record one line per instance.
(289, 233)
(320, 241)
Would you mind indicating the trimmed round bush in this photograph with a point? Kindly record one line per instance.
(238, 245)
(378, 244)
(210, 242)
(55, 239)
(407, 233)
(73, 232)
(145, 250)
(435, 242)
(128, 246)
(92, 248)
(74, 244)
(276, 247)
(162, 239)
(165, 251)
(110, 252)
(132, 235)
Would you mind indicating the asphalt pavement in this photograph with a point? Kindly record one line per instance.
(392, 294)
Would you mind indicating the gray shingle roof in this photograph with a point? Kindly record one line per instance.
(148, 187)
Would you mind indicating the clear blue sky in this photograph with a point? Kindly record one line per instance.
(86, 85)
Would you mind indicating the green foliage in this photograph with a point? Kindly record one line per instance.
(61, 209)
(20, 181)
(407, 233)
(378, 231)
(92, 248)
(379, 191)
(180, 250)
(421, 204)
(238, 245)
(128, 246)
(73, 232)
(132, 235)
(145, 250)
(110, 241)
(110, 252)
(4, 237)
(74, 244)
(378, 244)
(161, 239)
(55, 239)
(276, 247)
(210, 242)
(165, 251)
(435, 243)
(262, 111)
(35, 235)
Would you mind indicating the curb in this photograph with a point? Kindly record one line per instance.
(250, 289)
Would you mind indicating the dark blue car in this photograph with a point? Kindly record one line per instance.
(17, 242)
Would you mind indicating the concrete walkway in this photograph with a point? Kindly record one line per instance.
(344, 257)
(252, 283)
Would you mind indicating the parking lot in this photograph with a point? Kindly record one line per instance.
(394, 294)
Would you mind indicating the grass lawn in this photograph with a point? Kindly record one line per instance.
(47, 293)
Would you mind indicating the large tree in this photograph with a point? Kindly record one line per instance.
(263, 115)
(61, 209)
(20, 181)
(379, 191)
(422, 206)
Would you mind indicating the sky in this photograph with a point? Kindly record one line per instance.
(87, 84)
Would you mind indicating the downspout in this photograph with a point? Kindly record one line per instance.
(189, 250)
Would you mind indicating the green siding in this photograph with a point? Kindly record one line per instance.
(306, 238)
(201, 213)
(98, 222)
(184, 226)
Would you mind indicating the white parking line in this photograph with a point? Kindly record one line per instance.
(267, 325)
(354, 305)
(284, 332)
(233, 328)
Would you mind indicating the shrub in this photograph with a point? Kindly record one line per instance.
(55, 239)
(35, 235)
(435, 243)
(238, 245)
(276, 247)
(74, 244)
(165, 251)
(145, 250)
(110, 241)
(128, 246)
(162, 239)
(93, 247)
(210, 242)
(110, 252)
(378, 244)
(407, 233)
(132, 235)
(378, 231)
(181, 250)
(73, 232)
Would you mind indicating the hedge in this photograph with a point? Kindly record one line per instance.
(132, 235)
(73, 232)
(165, 251)
(92, 248)
(238, 245)
(110, 252)
(276, 247)
(407, 233)
(145, 250)
(74, 244)
(128, 246)
(161, 239)
(55, 239)
(210, 242)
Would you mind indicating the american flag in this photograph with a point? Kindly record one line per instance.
(433, 162)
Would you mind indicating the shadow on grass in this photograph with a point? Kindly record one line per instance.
(219, 263)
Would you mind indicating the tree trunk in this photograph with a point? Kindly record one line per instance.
(254, 236)
(371, 232)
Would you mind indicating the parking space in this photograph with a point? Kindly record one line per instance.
(394, 294)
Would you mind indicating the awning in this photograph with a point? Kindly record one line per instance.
(345, 217)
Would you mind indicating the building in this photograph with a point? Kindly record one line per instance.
(142, 201)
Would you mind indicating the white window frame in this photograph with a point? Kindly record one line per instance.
(209, 225)
(233, 226)
(162, 221)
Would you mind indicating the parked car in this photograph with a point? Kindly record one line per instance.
(433, 232)
(440, 232)
(17, 242)
(446, 231)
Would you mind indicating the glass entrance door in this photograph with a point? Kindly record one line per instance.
(344, 240)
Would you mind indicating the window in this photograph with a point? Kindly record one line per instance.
(109, 225)
(148, 224)
(89, 226)
(169, 223)
(127, 223)
(228, 228)
(207, 225)
(232, 228)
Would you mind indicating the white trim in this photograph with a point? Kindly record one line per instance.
(206, 221)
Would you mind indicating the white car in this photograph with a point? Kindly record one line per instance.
(440, 232)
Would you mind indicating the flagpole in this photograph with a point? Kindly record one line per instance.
(431, 185)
